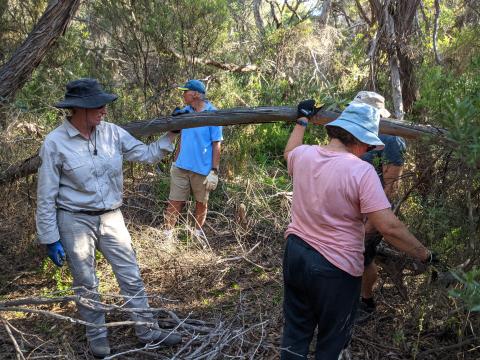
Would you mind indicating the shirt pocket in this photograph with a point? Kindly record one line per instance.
(79, 173)
(114, 165)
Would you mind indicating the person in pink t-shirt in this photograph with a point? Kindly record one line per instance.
(333, 192)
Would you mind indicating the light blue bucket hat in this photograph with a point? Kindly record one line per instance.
(362, 121)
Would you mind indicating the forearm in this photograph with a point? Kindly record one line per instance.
(295, 139)
(172, 136)
(216, 146)
(397, 234)
(135, 150)
(405, 241)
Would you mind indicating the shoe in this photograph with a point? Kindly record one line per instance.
(99, 347)
(168, 235)
(164, 337)
(364, 313)
(202, 239)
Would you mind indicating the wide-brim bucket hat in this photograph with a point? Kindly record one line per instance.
(86, 94)
(362, 121)
(373, 99)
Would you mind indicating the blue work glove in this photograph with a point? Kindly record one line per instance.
(56, 253)
(307, 108)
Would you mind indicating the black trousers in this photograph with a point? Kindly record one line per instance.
(372, 240)
(316, 294)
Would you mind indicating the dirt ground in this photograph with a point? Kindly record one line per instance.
(232, 289)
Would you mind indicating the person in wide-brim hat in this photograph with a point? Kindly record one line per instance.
(333, 191)
(361, 121)
(79, 196)
(85, 94)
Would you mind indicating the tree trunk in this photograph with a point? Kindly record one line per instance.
(395, 29)
(324, 13)
(396, 87)
(257, 5)
(16, 72)
(435, 32)
(233, 117)
(394, 67)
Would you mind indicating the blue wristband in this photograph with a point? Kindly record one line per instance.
(302, 123)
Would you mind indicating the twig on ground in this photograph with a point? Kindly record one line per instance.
(149, 346)
(449, 347)
(77, 321)
(18, 351)
(235, 258)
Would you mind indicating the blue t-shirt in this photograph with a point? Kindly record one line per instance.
(393, 153)
(196, 145)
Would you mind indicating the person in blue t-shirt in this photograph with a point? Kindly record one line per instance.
(196, 161)
(388, 164)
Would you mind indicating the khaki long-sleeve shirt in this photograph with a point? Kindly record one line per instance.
(71, 177)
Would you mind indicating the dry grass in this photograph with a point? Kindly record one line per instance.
(235, 286)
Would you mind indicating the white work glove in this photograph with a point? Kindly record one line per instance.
(211, 181)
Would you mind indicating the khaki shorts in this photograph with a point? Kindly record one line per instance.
(181, 181)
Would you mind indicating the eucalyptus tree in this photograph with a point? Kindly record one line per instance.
(51, 25)
(158, 43)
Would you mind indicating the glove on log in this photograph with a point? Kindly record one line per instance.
(307, 108)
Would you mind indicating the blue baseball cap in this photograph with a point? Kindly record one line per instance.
(362, 121)
(194, 85)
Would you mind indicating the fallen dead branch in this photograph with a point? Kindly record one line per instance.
(18, 351)
(204, 341)
(441, 349)
(238, 116)
(15, 305)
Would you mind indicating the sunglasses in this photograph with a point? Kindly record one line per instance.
(371, 147)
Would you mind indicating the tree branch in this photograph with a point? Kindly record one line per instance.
(238, 116)
(220, 65)
(53, 23)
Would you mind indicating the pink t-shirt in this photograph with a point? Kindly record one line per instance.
(331, 193)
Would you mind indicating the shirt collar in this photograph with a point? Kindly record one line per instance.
(72, 131)
(208, 106)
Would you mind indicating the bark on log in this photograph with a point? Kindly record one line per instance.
(242, 116)
(238, 116)
(16, 72)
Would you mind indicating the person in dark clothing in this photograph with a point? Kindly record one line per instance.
(388, 164)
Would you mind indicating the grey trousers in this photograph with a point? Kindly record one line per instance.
(81, 235)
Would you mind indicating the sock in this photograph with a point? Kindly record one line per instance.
(168, 233)
(369, 302)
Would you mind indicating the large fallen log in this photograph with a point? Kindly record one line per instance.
(239, 116)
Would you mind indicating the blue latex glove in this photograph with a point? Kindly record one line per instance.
(56, 253)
